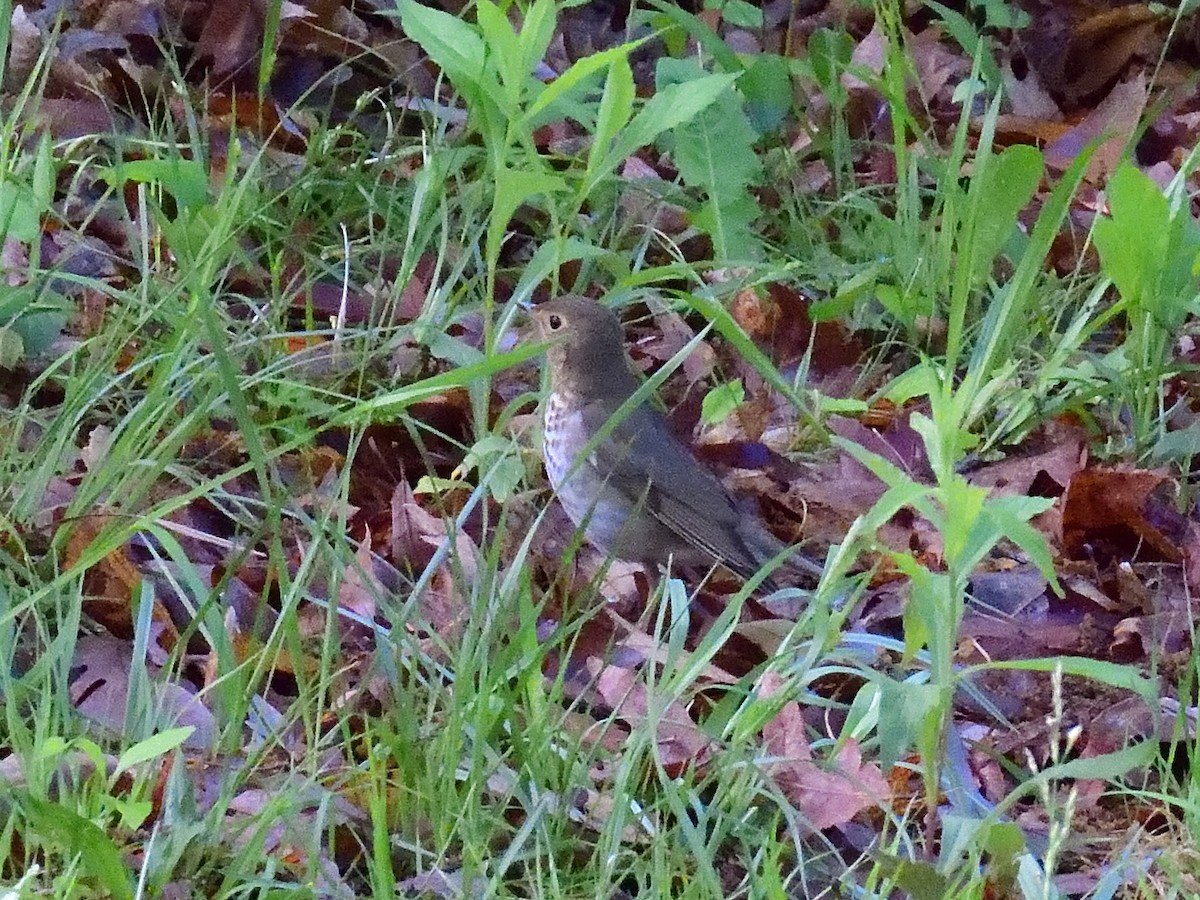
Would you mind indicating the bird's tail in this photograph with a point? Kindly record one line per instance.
(793, 568)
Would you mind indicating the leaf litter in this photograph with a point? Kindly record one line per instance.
(1124, 554)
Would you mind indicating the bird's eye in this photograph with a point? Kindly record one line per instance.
(555, 322)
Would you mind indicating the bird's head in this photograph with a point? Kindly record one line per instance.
(586, 352)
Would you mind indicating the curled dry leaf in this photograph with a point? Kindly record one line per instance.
(670, 335)
(439, 883)
(112, 581)
(1078, 49)
(24, 48)
(416, 537)
(680, 742)
(1054, 456)
(827, 795)
(1110, 123)
(649, 649)
(641, 201)
(289, 841)
(1117, 513)
(100, 687)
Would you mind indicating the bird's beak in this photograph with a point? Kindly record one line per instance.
(528, 331)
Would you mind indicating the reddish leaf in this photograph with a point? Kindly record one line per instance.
(1108, 512)
(680, 742)
(827, 795)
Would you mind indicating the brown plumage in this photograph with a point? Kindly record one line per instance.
(639, 494)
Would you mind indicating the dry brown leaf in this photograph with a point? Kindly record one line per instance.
(1058, 453)
(680, 742)
(1111, 123)
(231, 38)
(938, 65)
(1113, 511)
(655, 652)
(670, 335)
(100, 686)
(25, 46)
(827, 795)
(416, 537)
(1079, 48)
(111, 584)
(640, 202)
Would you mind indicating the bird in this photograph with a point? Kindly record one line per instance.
(638, 493)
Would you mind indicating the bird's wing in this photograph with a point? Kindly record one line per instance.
(686, 497)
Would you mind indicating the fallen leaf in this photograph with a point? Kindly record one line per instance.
(827, 795)
(100, 687)
(679, 741)
(1108, 512)
(1110, 123)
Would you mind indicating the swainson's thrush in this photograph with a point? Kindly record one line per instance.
(639, 494)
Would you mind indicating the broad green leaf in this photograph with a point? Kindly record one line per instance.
(44, 175)
(919, 880)
(1011, 516)
(133, 812)
(1008, 185)
(1104, 767)
(721, 401)
(969, 38)
(1147, 248)
(470, 365)
(24, 202)
(933, 612)
(670, 107)
(741, 14)
(1117, 675)
(616, 108)
(12, 348)
(153, 747)
(185, 179)
(77, 836)
(829, 53)
(579, 71)
(19, 218)
(537, 30)
(903, 709)
(963, 504)
(728, 221)
(714, 151)
(549, 257)
(710, 42)
(39, 329)
(767, 87)
(1132, 239)
(1007, 307)
(514, 187)
(500, 468)
(450, 42)
(503, 49)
